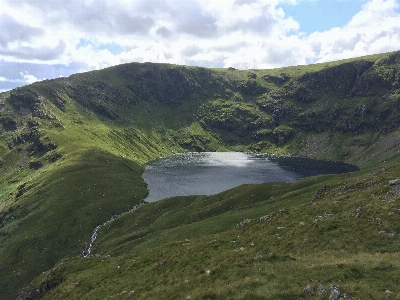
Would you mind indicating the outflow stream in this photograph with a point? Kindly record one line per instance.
(88, 249)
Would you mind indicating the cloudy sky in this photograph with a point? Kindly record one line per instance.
(44, 39)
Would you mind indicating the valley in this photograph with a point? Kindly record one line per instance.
(72, 153)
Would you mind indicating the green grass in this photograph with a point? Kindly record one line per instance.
(73, 149)
(303, 243)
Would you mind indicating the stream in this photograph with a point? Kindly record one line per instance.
(88, 249)
(207, 173)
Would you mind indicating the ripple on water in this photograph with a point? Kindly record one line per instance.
(207, 173)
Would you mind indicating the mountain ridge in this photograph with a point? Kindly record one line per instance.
(68, 145)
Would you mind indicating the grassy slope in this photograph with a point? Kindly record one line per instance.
(109, 123)
(305, 242)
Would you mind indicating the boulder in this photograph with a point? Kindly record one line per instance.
(334, 289)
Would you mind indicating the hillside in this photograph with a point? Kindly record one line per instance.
(72, 151)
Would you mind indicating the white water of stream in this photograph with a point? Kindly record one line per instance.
(88, 249)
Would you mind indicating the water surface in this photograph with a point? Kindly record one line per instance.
(208, 173)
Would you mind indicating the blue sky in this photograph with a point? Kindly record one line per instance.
(44, 39)
(323, 15)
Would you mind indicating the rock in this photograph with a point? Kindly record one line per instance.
(374, 220)
(395, 188)
(309, 290)
(241, 224)
(318, 219)
(335, 292)
(388, 294)
(258, 255)
(321, 289)
(252, 75)
(35, 165)
(320, 193)
(207, 272)
(266, 217)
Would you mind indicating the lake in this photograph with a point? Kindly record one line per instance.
(207, 173)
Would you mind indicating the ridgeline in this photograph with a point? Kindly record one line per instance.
(72, 151)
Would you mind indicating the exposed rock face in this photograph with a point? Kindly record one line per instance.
(308, 290)
(394, 188)
(394, 182)
(334, 289)
(340, 79)
(40, 291)
(322, 191)
(321, 289)
(242, 224)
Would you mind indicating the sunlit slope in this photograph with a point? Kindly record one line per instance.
(72, 149)
(62, 176)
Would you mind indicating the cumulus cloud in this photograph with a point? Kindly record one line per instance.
(15, 74)
(94, 34)
(24, 78)
(164, 32)
(13, 31)
(35, 53)
(191, 51)
(374, 29)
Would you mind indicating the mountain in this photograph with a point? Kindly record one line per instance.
(72, 151)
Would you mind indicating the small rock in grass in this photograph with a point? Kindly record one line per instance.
(242, 224)
(388, 294)
(394, 181)
(321, 289)
(258, 255)
(309, 290)
(335, 292)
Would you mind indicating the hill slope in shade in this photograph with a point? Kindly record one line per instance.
(72, 152)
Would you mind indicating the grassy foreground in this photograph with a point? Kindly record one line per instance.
(270, 241)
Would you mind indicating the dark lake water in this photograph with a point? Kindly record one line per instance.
(208, 173)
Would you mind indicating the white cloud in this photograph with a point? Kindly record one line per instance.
(87, 35)
(25, 78)
(29, 78)
(375, 29)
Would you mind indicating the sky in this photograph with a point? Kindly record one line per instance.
(46, 39)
